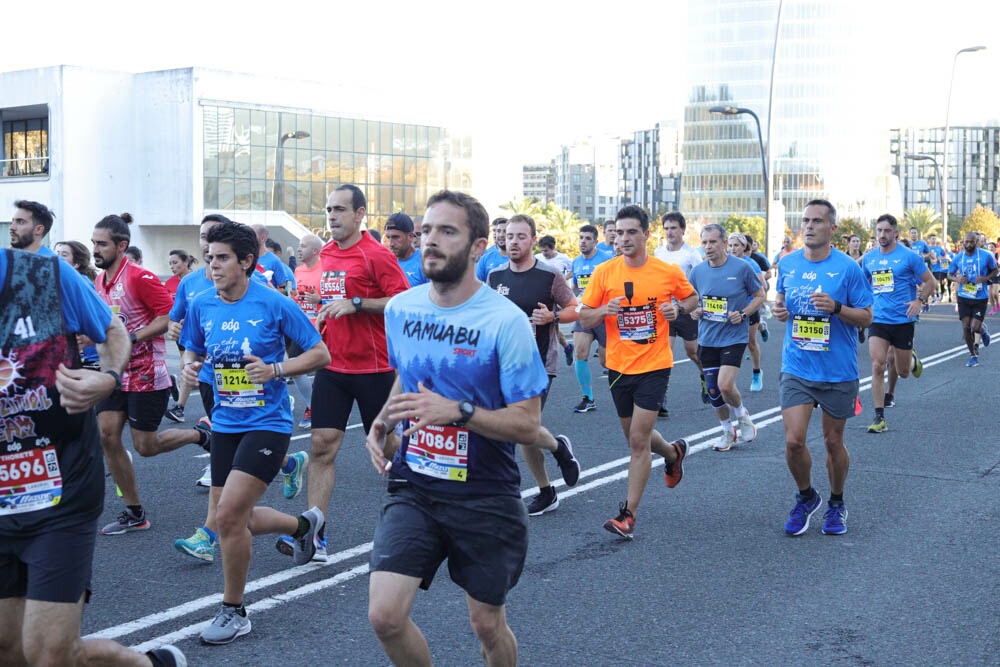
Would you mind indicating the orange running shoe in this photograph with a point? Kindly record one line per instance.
(623, 524)
(674, 470)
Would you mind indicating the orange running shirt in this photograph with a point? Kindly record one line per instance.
(638, 340)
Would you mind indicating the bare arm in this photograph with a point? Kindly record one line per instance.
(155, 328)
(81, 389)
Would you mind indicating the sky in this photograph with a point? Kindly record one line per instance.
(525, 77)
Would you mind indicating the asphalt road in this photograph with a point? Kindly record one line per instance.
(710, 577)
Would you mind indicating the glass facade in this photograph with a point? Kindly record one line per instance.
(256, 159)
(973, 167)
(814, 137)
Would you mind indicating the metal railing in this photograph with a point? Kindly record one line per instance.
(31, 166)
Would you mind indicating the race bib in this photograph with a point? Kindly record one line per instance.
(715, 308)
(883, 281)
(308, 307)
(582, 281)
(811, 332)
(29, 481)
(234, 388)
(970, 290)
(439, 451)
(945, 262)
(333, 286)
(637, 323)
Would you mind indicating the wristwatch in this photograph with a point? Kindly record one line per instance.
(467, 408)
(117, 378)
(356, 302)
(132, 339)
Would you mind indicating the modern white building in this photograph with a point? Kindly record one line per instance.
(170, 146)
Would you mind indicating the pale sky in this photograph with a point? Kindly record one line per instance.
(525, 76)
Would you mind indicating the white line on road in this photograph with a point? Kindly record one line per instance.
(181, 610)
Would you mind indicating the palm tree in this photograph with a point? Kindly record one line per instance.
(525, 206)
(926, 220)
(564, 225)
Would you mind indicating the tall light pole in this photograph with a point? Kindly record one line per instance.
(937, 170)
(736, 111)
(277, 191)
(944, 159)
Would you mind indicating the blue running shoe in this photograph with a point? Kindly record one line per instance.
(985, 335)
(973, 361)
(798, 519)
(293, 480)
(199, 546)
(757, 382)
(835, 519)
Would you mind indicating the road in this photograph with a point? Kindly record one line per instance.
(710, 577)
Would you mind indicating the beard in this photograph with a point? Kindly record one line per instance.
(20, 242)
(454, 267)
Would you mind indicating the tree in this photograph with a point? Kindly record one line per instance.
(564, 225)
(982, 220)
(848, 226)
(755, 226)
(525, 206)
(926, 220)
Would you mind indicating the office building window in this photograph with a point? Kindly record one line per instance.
(25, 147)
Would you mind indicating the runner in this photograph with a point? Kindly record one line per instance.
(676, 251)
(495, 255)
(464, 508)
(636, 296)
(900, 282)
(53, 479)
(738, 247)
(537, 289)
(610, 232)
(180, 263)
(583, 338)
(399, 239)
(972, 271)
(308, 278)
(730, 291)
(940, 259)
(561, 262)
(29, 227)
(239, 332)
(136, 296)
(823, 297)
(276, 271)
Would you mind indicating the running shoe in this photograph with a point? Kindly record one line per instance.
(167, 656)
(984, 333)
(175, 414)
(307, 419)
(798, 519)
(174, 393)
(918, 366)
(204, 426)
(566, 459)
(568, 350)
(663, 413)
(585, 405)
(623, 524)
(878, 426)
(227, 626)
(545, 501)
(889, 401)
(199, 546)
(285, 547)
(205, 480)
(674, 470)
(757, 382)
(726, 441)
(705, 398)
(835, 519)
(764, 333)
(748, 432)
(293, 480)
(973, 361)
(126, 523)
(305, 546)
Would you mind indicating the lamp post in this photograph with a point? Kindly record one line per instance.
(277, 193)
(937, 171)
(736, 111)
(944, 159)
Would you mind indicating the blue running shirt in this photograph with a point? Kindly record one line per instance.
(490, 260)
(722, 290)
(482, 351)
(583, 268)
(818, 346)
(980, 263)
(413, 269)
(224, 333)
(893, 277)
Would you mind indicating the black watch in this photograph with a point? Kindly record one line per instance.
(356, 302)
(132, 339)
(118, 379)
(467, 408)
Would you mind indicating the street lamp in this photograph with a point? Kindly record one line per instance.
(944, 159)
(736, 111)
(277, 193)
(937, 170)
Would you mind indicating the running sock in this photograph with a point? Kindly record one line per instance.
(726, 425)
(837, 498)
(302, 529)
(756, 371)
(289, 466)
(583, 377)
(879, 413)
(807, 494)
(211, 533)
(738, 411)
(202, 438)
(136, 510)
(238, 608)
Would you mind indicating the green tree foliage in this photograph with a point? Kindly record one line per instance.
(755, 226)
(926, 220)
(982, 220)
(560, 223)
(848, 226)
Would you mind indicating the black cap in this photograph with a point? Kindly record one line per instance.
(400, 222)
